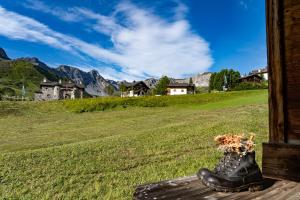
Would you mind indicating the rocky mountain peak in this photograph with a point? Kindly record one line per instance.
(3, 54)
(64, 68)
(32, 60)
(94, 72)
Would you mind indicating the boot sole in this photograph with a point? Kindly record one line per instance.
(199, 176)
(252, 187)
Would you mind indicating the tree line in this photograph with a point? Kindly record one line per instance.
(227, 78)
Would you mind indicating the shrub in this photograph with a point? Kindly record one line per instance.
(105, 103)
(200, 90)
(7, 91)
(251, 86)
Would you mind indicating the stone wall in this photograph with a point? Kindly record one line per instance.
(57, 93)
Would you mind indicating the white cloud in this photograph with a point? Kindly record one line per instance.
(66, 15)
(144, 44)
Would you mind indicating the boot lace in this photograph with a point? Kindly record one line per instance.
(220, 165)
(229, 164)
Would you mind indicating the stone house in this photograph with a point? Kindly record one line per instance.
(58, 90)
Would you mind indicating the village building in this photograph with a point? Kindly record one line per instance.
(263, 72)
(58, 90)
(180, 89)
(135, 89)
(253, 78)
(256, 76)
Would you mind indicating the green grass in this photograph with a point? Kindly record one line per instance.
(47, 151)
(15, 73)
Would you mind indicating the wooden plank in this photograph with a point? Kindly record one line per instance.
(291, 22)
(276, 71)
(281, 161)
(291, 193)
(183, 188)
(270, 187)
(190, 188)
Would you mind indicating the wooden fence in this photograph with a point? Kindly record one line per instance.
(14, 98)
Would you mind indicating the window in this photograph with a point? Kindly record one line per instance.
(174, 90)
(182, 90)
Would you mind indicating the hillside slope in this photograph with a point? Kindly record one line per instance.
(16, 73)
(30, 72)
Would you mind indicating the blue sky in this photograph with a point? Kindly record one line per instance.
(137, 39)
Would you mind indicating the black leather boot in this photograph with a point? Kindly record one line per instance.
(205, 172)
(240, 172)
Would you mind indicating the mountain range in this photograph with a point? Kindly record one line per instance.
(30, 71)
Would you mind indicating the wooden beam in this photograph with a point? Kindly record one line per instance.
(281, 156)
(281, 161)
(276, 71)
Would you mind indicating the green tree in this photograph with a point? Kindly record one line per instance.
(123, 88)
(109, 90)
(161, 87)
(217, 79)
(211, 81)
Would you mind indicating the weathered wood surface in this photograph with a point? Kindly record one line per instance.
(275, 44)
(283, 33)
(291, 24)
(282, 161)
(190, 188)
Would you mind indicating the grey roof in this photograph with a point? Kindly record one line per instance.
(128, 84)
(50, 84)
(69, 85)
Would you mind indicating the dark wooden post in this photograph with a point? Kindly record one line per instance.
(281, 156)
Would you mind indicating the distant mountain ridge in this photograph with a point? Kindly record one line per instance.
(94, 83)
(3, 54)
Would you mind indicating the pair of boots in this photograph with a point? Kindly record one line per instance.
(235, 172)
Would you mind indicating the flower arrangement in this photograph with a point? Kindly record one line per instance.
(235, 143)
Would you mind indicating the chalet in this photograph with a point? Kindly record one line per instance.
(58, 90)
(263, 72)
(180, 89)
(252, 78)
(134, 89)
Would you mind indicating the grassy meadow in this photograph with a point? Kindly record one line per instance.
(104, 148)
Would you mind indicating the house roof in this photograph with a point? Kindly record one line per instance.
(249, 76)
(69, 85)
(132, 84)
(260, 71)
(181, 85)
(48, 83)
